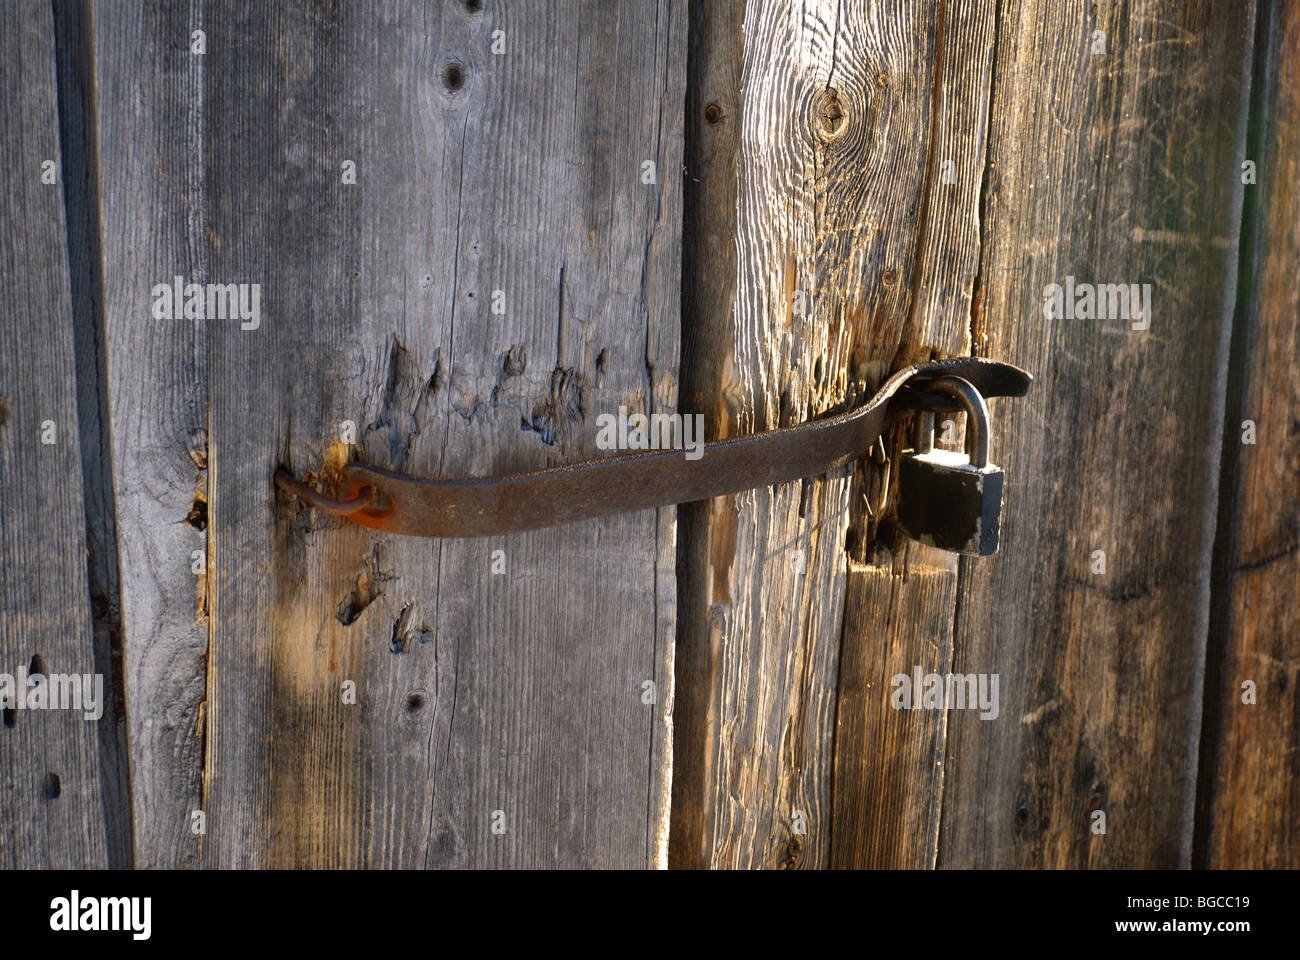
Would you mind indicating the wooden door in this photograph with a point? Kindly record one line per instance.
(919, 176)
(446, 237)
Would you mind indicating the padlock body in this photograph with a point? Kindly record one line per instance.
(945, 502)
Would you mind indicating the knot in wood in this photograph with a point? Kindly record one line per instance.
(829, 114)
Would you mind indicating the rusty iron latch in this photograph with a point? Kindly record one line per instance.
(479, 506)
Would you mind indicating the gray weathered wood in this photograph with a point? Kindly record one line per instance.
(149, 109)
(72, 27)
(865, 185)
(51, 801)
(1250, 779)
(1120, 167)
(476, 692)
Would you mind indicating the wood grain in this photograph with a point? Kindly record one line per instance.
(1251, 752)
(822, 132)
(149, 108)
(888, 775)
(520, 691)
(546, 200)
(711, 147)
(80, 176)
(51, 800)
(1120, 167)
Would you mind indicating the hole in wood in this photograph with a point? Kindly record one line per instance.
(360, 597)
(198, 515)
(453, 76)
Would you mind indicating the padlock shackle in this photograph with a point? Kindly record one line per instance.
(924, 441)
(977, 415)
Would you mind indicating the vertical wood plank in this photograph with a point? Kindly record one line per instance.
(1115, 167)
(72, 34)
(51, 805)
(502, 714)
(1251, 779)
(709, 189)
(888, 771)
(833, 101)
(149, 107)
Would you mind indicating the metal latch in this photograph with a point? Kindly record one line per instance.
(479, 506)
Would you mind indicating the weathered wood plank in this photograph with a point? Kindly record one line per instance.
(51, 801)
(1251, 751)
(888, 773)
(1115, 167)
(712, 143)
(149, 113)
(812, 167)
(72, 28)
(521, 691)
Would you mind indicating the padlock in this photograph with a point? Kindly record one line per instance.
(947, 499)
